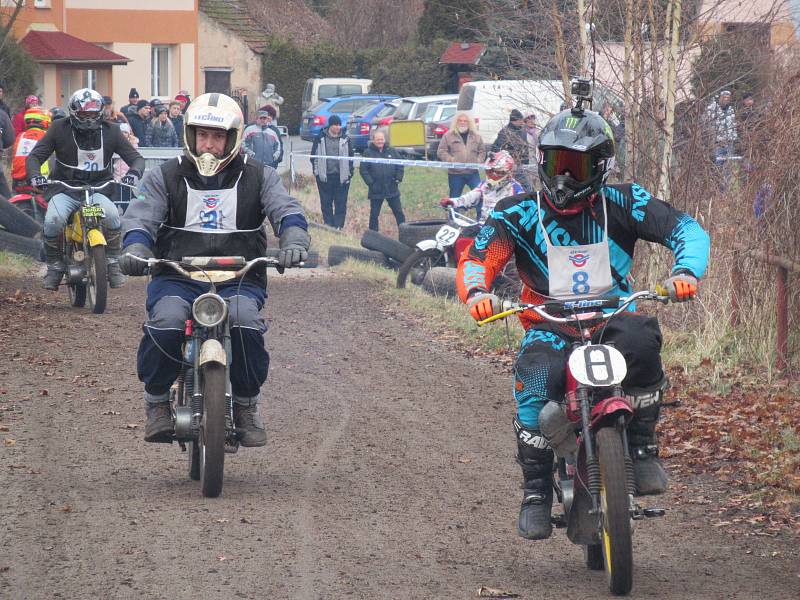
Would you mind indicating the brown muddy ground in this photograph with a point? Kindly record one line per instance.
(389, 472)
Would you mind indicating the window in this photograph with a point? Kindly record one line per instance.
(160, 69)
(91, 79)
(347, 106)
(218, 81)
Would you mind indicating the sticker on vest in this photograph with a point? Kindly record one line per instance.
(211, 211)
(25, 146)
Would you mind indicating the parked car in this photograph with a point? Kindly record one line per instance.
(385, 115)
(490, 102)
(437, 119)
(360, 125)
(321, 88)
(316, 117)
(416, 108)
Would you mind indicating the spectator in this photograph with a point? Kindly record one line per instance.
(333, 174)
(111, 115)
(131, 106)
(183, 98)
(161, 133)
(262, 140)
(513, 139)
(123, 195)
(532, 138)
(36, 123)
(19, 119)
(3, 106)
(382, 180)
(6, 141)
(140, 121)
(721, 125)
(463, 144)
(176, 116)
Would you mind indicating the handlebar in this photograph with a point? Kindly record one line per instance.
(89, 188)
(590, 307)
(459, 218)
(236, 264)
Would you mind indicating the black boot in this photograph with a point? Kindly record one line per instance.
(249, 426)
(55, 263)
(651, 478)
(536, 459)
(113, 248)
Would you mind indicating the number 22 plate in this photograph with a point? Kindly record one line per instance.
(447, 235)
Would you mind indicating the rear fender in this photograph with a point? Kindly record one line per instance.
(609, 409)
(212, 352)
(96, 238)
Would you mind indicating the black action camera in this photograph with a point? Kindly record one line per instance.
(582, 92)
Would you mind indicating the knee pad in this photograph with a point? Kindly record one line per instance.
(170, 312)
(646, 402)
(244, 312)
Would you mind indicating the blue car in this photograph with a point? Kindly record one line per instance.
(360, 126)
(316, 117)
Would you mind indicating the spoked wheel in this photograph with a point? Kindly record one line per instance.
(96, 271)
(420, 262)
(211, 441)
(615, 530)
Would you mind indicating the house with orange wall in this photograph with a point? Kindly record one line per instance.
(110, 45)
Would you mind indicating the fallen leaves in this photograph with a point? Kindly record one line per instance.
(9, 442)
(487, 592)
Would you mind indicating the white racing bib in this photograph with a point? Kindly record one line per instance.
(212, 211)
(25, 146)
(578, 270)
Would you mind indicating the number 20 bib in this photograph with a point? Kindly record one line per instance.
(578, 270)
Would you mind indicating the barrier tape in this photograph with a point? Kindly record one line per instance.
(434, 164)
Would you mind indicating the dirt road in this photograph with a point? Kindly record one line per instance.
(389, 473)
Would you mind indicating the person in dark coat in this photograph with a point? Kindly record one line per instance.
(333, 171)
(133, 100)
(382, 180)
(140, 121)
(3, 106)
(513, 138)
(6, 141)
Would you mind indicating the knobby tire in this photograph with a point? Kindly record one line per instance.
(425, 259)
(97, 269)
(616, 523)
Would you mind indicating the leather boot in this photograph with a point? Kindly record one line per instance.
(249, 426)
(113, 248)
(535, 457)
(55, 263)
(159, 426)
(651, 478)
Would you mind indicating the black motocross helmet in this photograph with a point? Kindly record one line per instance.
(576, 154)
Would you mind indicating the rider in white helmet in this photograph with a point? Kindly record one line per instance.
(84, 145)
(212, 201)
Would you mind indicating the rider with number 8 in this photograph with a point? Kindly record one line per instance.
(575, 238)
(84, 145)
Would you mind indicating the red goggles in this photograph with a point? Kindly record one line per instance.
(578, 165)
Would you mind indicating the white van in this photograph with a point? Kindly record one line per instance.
(491, 102)
(318, 88)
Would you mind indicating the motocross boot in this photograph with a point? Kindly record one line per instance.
(651, 478)
(159, 426)
(55, 263)
(536, 459)
(113, 248)
(247, 419)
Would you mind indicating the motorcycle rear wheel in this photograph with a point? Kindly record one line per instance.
(615, 532)
(419, 263)
(96, 269)
(211, 440)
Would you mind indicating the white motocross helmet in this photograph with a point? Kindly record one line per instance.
(213, 111)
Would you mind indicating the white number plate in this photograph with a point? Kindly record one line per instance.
(447, 235)
(598, 365)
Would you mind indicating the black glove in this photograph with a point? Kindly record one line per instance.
(39, 181)
(130, 265)
(294, 245)
(129, 180)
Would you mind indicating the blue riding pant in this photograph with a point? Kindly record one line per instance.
(541, 366)
(61, 207)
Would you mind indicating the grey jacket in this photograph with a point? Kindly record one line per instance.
(320, 166)
(453, 149)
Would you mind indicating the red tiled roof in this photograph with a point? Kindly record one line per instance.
(60, 47)
(462, 53)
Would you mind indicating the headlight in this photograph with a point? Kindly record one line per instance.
(209, 310)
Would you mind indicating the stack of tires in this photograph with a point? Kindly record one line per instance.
(19, 233)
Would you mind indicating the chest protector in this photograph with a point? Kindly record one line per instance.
(228, 221)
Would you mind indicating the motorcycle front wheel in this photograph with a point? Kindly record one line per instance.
(212, 430)
(615, 527)
(96, 269)
(420, 262)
